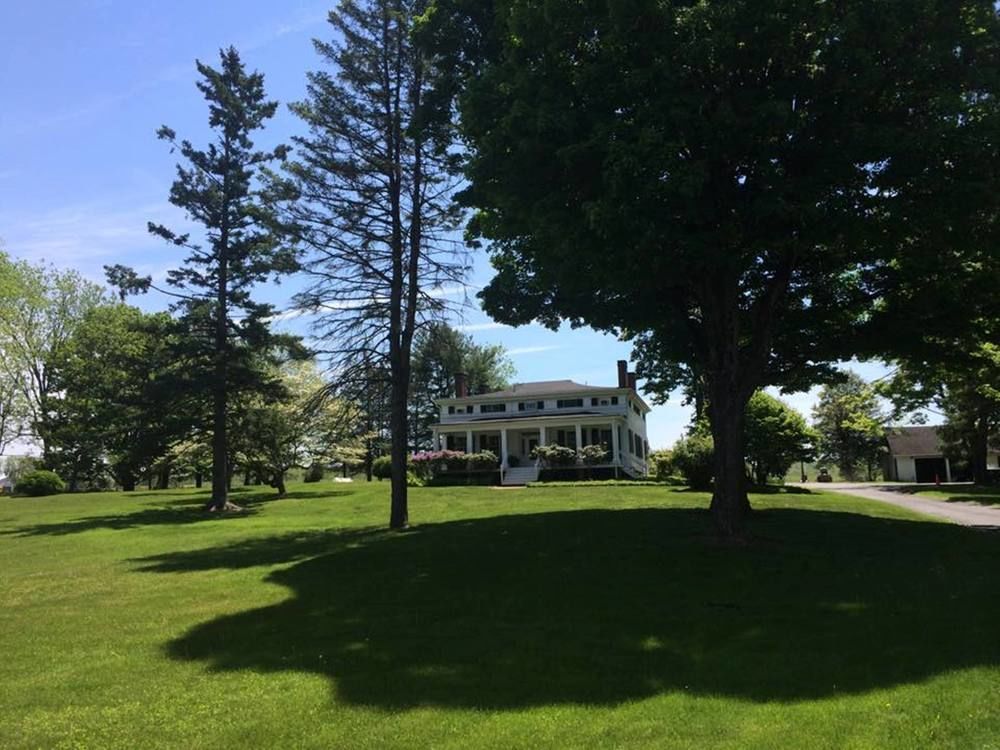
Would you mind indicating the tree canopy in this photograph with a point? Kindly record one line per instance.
(737, 186)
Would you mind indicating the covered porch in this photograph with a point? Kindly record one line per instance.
(513, 441)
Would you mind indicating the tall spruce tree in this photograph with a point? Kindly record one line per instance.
(220, 188)
(375, 174)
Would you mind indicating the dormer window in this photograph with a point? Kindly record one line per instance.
(531, 406)
(492, 408)
(569, 403)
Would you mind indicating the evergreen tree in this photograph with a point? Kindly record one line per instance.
(375, 175)
(220, 187)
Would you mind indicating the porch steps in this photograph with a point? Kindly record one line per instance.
(520, 475)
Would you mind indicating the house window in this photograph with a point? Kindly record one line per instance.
(492, 408)
(451, 409)
(569, 403)
(594, 401)
(631, 443)
(490, 443)
(614, 401)
(531, 406)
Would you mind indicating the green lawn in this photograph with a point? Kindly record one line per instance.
(553, 617)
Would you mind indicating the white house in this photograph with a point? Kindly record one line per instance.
(916, 454)
(514, 421)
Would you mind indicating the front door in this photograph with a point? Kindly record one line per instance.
(528, 445)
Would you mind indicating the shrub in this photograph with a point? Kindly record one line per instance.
(40, 482)
(483, 461)
(593, 454)
(555, 455)
(314, 473)
(382, 467)
(661, 464)
(426, 464)
(693, 457)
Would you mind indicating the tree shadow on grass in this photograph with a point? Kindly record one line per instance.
(170, 512)
(600, 607)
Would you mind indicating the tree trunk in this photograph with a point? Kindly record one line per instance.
(278, 482)
(127, 479)
(979, 458)
(730, 506)
(163, 477)
(399, 515)
(197, 479)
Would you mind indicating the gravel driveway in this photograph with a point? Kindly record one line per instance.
(967, 514)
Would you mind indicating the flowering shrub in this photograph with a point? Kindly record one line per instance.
(593, 454)
(483, 461)
(427, 464)
(555, 455)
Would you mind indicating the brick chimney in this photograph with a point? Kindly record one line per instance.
(631, 381)
(622, 373)
(461, 385)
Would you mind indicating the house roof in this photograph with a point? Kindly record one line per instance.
(914, 441)
(546, 388)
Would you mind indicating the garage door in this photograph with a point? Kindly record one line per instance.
(930, 468)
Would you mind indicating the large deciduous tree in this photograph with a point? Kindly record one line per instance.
(40, 308)
(850, 426)
(737, 185)
(375, 175)
(776, 437)
(221, 189)
(118, 404)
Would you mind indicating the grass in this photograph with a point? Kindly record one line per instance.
(989, 496)
(553, 617)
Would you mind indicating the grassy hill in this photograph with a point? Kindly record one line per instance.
(550, 617)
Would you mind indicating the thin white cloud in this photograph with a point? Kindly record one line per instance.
(531, 350)
(472, 327)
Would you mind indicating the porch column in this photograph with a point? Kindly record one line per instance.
(442, 440)
(468, 441)
(541, 436)
(579, 440)
(503, 448)
(947, 469)
(614, 445)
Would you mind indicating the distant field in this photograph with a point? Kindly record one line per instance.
(574, 617)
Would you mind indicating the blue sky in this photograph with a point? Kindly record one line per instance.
(85, 84)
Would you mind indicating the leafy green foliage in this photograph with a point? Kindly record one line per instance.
(693, 457)
(40, 307)
(777, 436)
(661, 464)
(591, 455)
(726, 183)
(40, 482)
(382, 467)
(850, 427)
(121, 401)
(555, 455)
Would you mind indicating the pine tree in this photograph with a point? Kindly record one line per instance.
(221, 188)
(375, 175)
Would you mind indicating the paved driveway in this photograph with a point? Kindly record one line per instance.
(967, 514)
